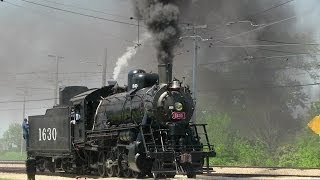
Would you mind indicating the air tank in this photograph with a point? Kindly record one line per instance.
(131, 74)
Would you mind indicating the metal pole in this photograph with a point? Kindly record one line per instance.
(23, 116)
(56, 86)
(194, 72)
(104, 70)
(195, 63)
(56, 90)
(138, 31)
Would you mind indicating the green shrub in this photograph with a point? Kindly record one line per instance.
(304, 152)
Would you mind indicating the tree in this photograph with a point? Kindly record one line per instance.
(12, 137)
(2, 145)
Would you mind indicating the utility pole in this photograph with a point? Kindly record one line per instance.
(195, 72)
(23, 116)
(56, 90)
(138, 31)
(138, 20)
(195, 38)
(104, 70)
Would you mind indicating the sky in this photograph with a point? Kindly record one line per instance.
(30, 32)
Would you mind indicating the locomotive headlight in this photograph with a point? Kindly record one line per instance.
(178, 106)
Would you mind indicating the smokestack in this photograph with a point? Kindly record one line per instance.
(165, 73)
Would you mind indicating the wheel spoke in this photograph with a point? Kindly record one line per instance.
(137, 175)
(119, 173)
(101, 165)
(41, 165)
(111, 170)
(127, 173)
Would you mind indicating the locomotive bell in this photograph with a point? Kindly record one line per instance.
(175, 84)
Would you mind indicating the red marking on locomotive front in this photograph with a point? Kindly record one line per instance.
(178, 115)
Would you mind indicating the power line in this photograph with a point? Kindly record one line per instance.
(267, 45)
(97, 11)
(271, 8)
(86, 9)
(109, 35)
(247, 72)
(251, 58)
(13, 4)
(253, 30)
(314, 67)
(33, 88)
(26, 73)
(84, 72)
(262, 26)
(282, 42)
(250, 16)
(26, 109)
(21, 101)
(281, 51)
(263, 87)
(77, 13)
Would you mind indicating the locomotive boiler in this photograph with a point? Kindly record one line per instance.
(134, 131)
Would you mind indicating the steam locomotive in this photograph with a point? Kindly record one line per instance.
(134, 131)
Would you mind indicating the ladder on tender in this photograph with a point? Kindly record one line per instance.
(147, 138)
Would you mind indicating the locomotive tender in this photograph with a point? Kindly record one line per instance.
(144, 129)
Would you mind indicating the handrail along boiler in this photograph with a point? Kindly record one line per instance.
(140, 130)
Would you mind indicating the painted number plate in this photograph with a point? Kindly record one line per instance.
(178, 115)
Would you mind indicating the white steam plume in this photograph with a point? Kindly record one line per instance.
(131, 51)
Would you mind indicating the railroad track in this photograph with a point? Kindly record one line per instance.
(18, 167)
(12, 166)
(12, 162)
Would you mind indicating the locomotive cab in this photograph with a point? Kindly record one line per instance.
(84, 105)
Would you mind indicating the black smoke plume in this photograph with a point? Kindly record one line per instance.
(161, 18)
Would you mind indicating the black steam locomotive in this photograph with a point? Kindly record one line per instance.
(143, 129)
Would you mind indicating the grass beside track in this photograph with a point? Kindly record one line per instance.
(12, 156)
